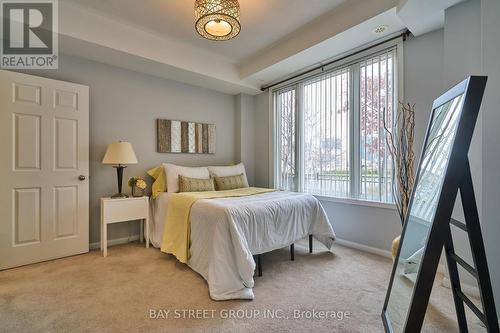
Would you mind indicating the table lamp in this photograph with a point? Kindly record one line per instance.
(118, 154)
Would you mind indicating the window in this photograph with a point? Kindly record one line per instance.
(330, 137)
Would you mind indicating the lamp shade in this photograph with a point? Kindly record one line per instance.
(120, 152)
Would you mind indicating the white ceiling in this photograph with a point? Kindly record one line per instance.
(263, 21)
(340, 44)
(278, 37)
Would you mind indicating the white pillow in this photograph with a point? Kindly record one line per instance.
(173, 171)
(225, 171)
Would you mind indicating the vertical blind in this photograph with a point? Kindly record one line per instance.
(330, 133)
(326, 133)
(286, 110)
(377, 100)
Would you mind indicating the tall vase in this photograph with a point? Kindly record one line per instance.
(394, 247)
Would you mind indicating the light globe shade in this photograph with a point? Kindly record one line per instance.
(217, 19)
(120, 152)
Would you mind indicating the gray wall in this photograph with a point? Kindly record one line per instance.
(245, 129)
(462, 54)
(490, 26)
(124, 106)
(472, 46)
(262, 139)
(373, 226)
(423, 60)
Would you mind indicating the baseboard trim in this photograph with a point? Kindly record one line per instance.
(364, 248)
(116, 241)
(374, 250)
(466, 288)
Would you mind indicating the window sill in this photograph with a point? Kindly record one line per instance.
(359, 202)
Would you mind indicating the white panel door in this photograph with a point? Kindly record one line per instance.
(44, 166)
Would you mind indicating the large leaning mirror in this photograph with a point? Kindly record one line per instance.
(433, 168)
(431, 175)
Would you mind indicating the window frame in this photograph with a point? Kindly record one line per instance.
(354, 125)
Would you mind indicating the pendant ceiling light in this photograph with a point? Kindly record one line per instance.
(217, 19)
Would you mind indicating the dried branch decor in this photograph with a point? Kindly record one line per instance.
(400, 143)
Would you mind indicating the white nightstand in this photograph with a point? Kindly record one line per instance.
(121, 210)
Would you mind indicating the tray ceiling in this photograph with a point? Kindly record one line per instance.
(263, 21)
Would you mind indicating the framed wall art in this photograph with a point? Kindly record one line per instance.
(175, 136)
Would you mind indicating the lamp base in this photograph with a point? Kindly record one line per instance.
(119, 196)
(119, 174)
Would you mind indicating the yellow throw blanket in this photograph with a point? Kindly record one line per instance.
(177, 231)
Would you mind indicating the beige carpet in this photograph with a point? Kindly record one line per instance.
(89, 293)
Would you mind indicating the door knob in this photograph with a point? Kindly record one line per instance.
(82, 177)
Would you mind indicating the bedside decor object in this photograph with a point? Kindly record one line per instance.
(217, 19)
(119, 154)
(137, 185)
(174, 136)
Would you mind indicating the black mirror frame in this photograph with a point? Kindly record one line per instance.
(473, 89)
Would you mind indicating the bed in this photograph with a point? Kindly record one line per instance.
(227, 232)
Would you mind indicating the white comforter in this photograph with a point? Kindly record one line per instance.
(226, 233)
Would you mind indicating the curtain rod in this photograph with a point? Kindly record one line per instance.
(403, 35)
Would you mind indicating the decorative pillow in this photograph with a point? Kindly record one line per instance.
(159, 185)
(173, 172)
(224, 171)
(231, 182)
(187, 184)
